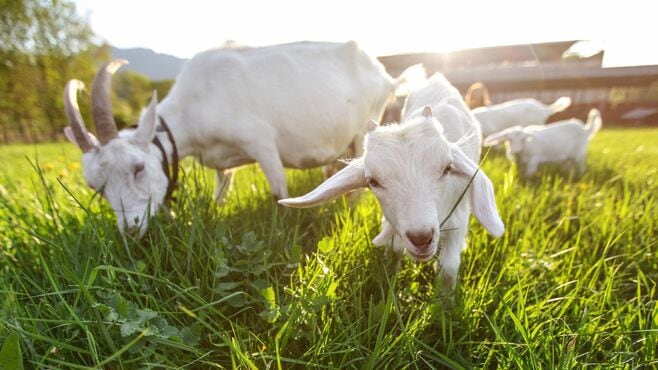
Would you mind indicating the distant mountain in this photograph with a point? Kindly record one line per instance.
(153, 65)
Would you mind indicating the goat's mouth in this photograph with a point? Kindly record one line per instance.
(421, 256)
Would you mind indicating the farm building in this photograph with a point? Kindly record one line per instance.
(626, 95)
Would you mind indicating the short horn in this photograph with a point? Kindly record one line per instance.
(427, 112)
(75, 118)
(106, 128)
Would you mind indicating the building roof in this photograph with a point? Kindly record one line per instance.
(533, 66)
(495, 55)
(553, 76)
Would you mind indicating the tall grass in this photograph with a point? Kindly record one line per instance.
(572, 283)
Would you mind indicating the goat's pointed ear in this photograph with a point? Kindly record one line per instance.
(146, 128)
(495, 139)
(483, 201)
(349, 178)
(68, 133)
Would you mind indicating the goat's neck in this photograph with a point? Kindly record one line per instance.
(181, 138)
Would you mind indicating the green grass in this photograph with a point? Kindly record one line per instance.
(571, 284)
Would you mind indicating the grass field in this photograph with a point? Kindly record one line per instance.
(571, 284)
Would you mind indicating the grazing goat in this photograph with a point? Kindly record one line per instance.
(518, 112)
(477, 95)
(556, 142)
(297, 105)
(418, 171)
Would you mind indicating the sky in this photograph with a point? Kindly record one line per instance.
(183, 28)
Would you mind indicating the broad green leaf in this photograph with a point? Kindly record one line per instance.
(11, 357)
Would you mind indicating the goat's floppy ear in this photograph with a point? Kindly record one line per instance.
(349, 178)
(495, 139)
(146, 128)
(483, 201)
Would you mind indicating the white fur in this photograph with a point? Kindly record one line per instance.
(518, 112)
(553, 143)
(297, 105)
(406, 168)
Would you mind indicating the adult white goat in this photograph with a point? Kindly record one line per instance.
(518, 112)
(556, 142)
(297, 105)
(418, 171)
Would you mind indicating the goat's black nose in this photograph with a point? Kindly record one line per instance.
(421, 238)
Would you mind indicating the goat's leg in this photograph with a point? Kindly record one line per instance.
(389, 238)
(530, 168)
(223, 183)
(581, 165)
(452, 243)
(267, 156)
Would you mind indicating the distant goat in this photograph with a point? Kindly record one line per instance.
(556, 142)
(418, 171)
(518, 112)
(393, 111)
(297, 105)
(477, 95)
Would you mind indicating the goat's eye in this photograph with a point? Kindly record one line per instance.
(372, 183)
(139, 168)
(448, 169)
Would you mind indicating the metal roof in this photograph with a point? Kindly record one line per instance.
(533, 66)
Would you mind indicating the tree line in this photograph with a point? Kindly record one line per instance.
(43, 44)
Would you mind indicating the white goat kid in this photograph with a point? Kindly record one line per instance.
(518, 112)
(557, 142)
(298, 105)
(418, 170)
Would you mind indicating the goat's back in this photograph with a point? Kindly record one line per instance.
(312, 96)
(517, 112)
(568, 128)
(451, 111)
(559, 140)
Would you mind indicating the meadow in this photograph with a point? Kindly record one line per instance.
(249, 284)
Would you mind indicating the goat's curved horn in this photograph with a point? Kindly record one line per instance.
(75, 118)
(106, 128)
